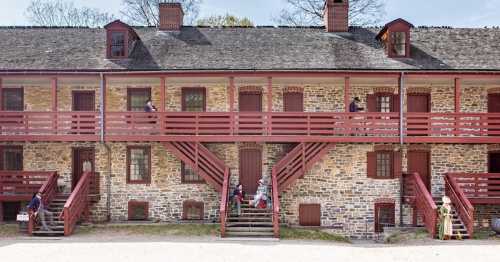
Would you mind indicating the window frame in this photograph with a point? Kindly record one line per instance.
(287, 96)
(2, 96)
(390, 164)
(183, 176)
(132, 204)
(378, 97)
(131, 90)
(377, 207)
(186, 90)
(393, 43)
(110, 33)
(147, 180)
(15, 147)
(192, 203)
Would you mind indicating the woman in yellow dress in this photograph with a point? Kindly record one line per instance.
(445, 225)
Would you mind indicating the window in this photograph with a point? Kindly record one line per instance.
(12, 99)
(137, 98)
(11, 158)
(192, 210)
(117, 44)
(189, 176)
(138, 165)
(398, 43)
(138, 210)
(384, 104)
(293, 102)
(384, 216)
(310, 215)
(193, 99)
(384, 164)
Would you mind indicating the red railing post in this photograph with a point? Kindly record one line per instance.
(224, 205)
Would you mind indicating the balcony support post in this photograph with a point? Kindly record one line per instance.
(162, 94)
(457, 94)
(401, 107)
(347, 93)
(1, 95)
(54, 104)
(269, 104)
(102, 106)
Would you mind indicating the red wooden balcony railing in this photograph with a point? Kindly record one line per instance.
(462, 204)
(245, 126)
(21, 185)
(77, 204)
(479, 188)
(224, 202)
(52, 126)
(421, 199)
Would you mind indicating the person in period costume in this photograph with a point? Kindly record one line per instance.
(261, 196)
(237, 198)
(445, 224)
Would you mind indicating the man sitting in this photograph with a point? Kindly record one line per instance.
(38, 207)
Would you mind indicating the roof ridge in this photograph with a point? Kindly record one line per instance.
(48, 27)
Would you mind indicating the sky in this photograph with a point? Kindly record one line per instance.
(456, 13)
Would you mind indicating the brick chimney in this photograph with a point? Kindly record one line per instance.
(171, 16)
(336, 15)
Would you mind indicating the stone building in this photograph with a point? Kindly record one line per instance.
(234, 105)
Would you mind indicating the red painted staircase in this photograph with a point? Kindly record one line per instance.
(207, 165)
(292, 166)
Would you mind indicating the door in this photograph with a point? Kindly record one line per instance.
(84, 101)
(250, 124)
(419, 161)
(250, 169)
(83, 160)
(494, 107)
(418, 103)
(494, 162)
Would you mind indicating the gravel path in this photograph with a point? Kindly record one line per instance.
(216, 250)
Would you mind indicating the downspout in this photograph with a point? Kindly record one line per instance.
(102, 108)
(401, 142)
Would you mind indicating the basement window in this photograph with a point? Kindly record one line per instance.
(138, 210)
(384, 216)
(192, 210)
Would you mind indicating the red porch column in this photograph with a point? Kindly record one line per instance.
(347, 93)
(231, 94)
(270, 94)
(162, 94)
(54, 94)
(457, 94)
(1, 100)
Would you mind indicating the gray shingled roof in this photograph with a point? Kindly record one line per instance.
(262, 48)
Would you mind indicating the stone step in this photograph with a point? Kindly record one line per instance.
(255, 210)
(250, 234)
(48, 233)
(249, 229)
(250, 224)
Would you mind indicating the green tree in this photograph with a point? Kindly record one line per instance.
(224, 20)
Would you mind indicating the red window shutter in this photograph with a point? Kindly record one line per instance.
(396, 164)
(371, 103)
(395, 103)
(371, 164)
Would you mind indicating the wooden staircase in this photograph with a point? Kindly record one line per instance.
(56, 207)
(253, 222)
(207, 165)
(292, 166)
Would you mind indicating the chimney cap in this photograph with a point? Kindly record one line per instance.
(171, 5)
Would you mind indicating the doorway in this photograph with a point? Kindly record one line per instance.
(419, 161)
(494, 107)
(250, 169)
(494, 162)
(418, 103)
(84, 101)
(83, 160)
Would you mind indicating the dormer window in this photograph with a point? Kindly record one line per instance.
(120, 41)
(117, 47)
(398, 43)
(395, 36)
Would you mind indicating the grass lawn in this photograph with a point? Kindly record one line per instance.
(485, 234)
(9, 230)
(401, 237)
(310, 234)
(155, 230)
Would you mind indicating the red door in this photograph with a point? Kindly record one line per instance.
(418, 103)
(250, 169)
(419, 161)
(250, 124)
(494, 107)
(250, 102)
(84, 101)
(83, 160)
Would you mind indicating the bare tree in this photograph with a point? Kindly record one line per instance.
(145, 12)
(224, 20)
(64, 13)
(310, 12)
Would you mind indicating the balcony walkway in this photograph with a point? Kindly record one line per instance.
(259, 126)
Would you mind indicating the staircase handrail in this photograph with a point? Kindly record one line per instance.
(276, 204)
(48, 190)
(224, 207)
(462, 204)
(425, 204)
(76, 204)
